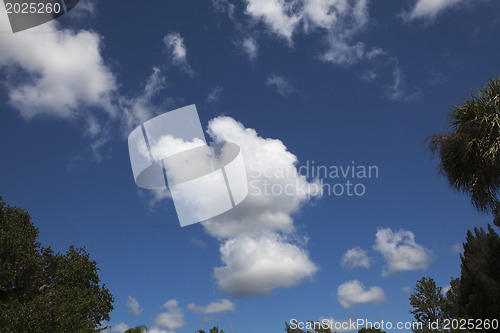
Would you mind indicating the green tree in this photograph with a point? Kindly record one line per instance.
(137, 329)
(478, 294)
(42, 291)
(427, 302)
(470, 151)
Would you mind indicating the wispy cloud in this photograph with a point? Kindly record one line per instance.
(224, 7)
(214, 94)
(397, 90)
(174, 44)
(282, 85)
(250, 48)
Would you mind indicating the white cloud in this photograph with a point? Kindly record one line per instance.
(445, 289)
(356, 257)
(268, 163)
(217, 306)
(354, 292)
(249, 46)
(279, 15)
(119, 328)
(283, 87)
(256, 265)
(339, 19)
(214, 95)
(258, 251)
(406, 289)
(173, 318)
(400, 251)
(175, 46)
(429, 9)
(62, 71)
(133, 306)
(341, 52)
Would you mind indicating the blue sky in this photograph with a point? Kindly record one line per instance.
(329, 81)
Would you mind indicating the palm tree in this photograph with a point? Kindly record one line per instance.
(470, 152)
(137, 329)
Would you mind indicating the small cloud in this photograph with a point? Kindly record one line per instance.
(250, 48)
(173, 318)
(406, 289)
(119, 328)
(84, 9)
(198, 242)
(218, 306)
(397, 91)
(257, 265)
(224, 7)
(214, 95)
(437, 78)
(400, 251)
(174, 44)
(445, 289)
(134, 306)
(355, 257)
(369, 76)
(354, 292)
(374, 53)
(283, 87)
(456, 248)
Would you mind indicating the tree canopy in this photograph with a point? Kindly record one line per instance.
(137, 329)
(470, 152)
(427, 303)
(475, 295)
(42, 291)
(478, 293)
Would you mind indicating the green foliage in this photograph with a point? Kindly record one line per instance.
(470, 152)
(479, 287)
(476, 295)
(371, 330)
(42, 291)
(137, 329)
(427, 302)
